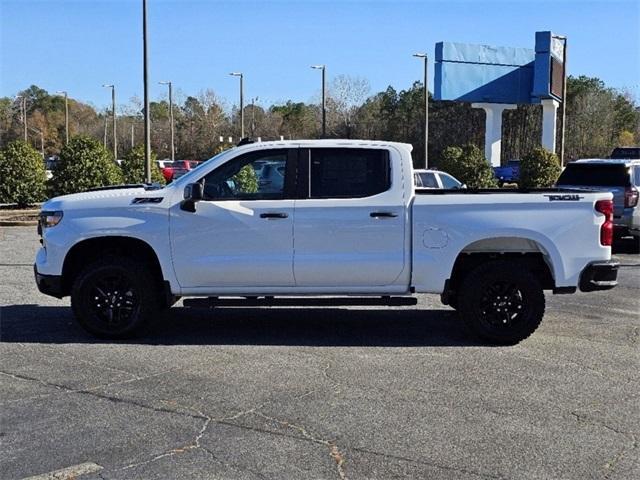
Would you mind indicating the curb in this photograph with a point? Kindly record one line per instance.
(18, 223)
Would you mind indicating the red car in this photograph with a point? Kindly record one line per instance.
(178, 168)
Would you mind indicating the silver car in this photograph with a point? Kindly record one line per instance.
(436, 179)
(618, 176)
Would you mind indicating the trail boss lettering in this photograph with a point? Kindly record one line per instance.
(566, 197)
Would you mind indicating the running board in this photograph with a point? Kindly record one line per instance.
(268, 301)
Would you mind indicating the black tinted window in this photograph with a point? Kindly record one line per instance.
(586, 174)
(628, 152)
(428, 180)
(348, 172)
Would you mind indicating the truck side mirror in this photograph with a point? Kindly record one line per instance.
(193, 193)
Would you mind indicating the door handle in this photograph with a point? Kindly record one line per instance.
(274, 215)
(383, 215)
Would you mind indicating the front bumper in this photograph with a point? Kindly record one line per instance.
(48, 284)
(601, 275)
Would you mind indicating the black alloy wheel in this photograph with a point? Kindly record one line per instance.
(115, 297)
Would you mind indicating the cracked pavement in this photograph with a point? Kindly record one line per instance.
(318, 393)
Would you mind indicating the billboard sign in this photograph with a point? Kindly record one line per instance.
(549, 66)
(483, 73)
(489, 74)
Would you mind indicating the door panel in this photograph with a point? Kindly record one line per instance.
(235, 245)
(353, 242)
(241, 234)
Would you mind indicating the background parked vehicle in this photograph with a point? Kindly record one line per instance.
(631, 153)
(436, 179)
(174, 170)
(271, 176)
(50, 165)
(509, 173)
(620, 177)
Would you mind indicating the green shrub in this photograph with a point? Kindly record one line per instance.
(246, 180)
(468, 165)
(133, 167)
(22, 174)
(539, 168)
(84, 163)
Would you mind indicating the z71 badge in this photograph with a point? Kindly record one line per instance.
(567, 197)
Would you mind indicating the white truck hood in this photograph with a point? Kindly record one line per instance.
(117, 197)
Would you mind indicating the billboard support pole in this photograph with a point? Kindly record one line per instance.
(549, 122)
(493, 129)
(564, 99)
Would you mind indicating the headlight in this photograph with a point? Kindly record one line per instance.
(49, 219)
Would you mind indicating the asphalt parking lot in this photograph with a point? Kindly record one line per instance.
(323, 393)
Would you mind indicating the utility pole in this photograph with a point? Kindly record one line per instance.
(239, 74)
(324, 98)
(39, 132)
(253, 116)
(23, 111)
(132, 135)
(104, 142)
(426, 108)
(113, 111)
(173, 145)
(147, 113)
(66, 115)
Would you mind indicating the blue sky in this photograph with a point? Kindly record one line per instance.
(79, 45)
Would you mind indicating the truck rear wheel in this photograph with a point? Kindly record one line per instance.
(502, 302)
(114, 297)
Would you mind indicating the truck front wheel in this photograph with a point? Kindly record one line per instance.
(114, 297)
(502, 302)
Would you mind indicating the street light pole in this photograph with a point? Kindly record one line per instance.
(426, 108)
(173, 148)
(113, 112)
(239, 74)
(147, 113)
(66, 115)
(324, 98)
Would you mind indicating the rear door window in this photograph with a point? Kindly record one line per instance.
(429, 180)
(348, 172)
(449, 182)
(595, 174)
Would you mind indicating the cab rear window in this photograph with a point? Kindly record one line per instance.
(586, 174)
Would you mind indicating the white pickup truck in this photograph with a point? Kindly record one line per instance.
(321, 222)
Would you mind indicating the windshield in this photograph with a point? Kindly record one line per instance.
(585, 174)
(193, 174)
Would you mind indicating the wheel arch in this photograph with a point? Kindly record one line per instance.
(91, 249)
(541, 257)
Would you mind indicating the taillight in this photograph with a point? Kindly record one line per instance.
(630, 197)
(606, 229)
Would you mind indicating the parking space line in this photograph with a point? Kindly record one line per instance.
(68, 473)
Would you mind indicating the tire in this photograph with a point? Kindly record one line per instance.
(501, 302)
(114, 298)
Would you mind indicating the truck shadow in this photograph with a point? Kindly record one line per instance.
(252, 326)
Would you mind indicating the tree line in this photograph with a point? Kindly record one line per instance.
(598, 118)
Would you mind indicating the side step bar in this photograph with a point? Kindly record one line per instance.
(268, 301)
